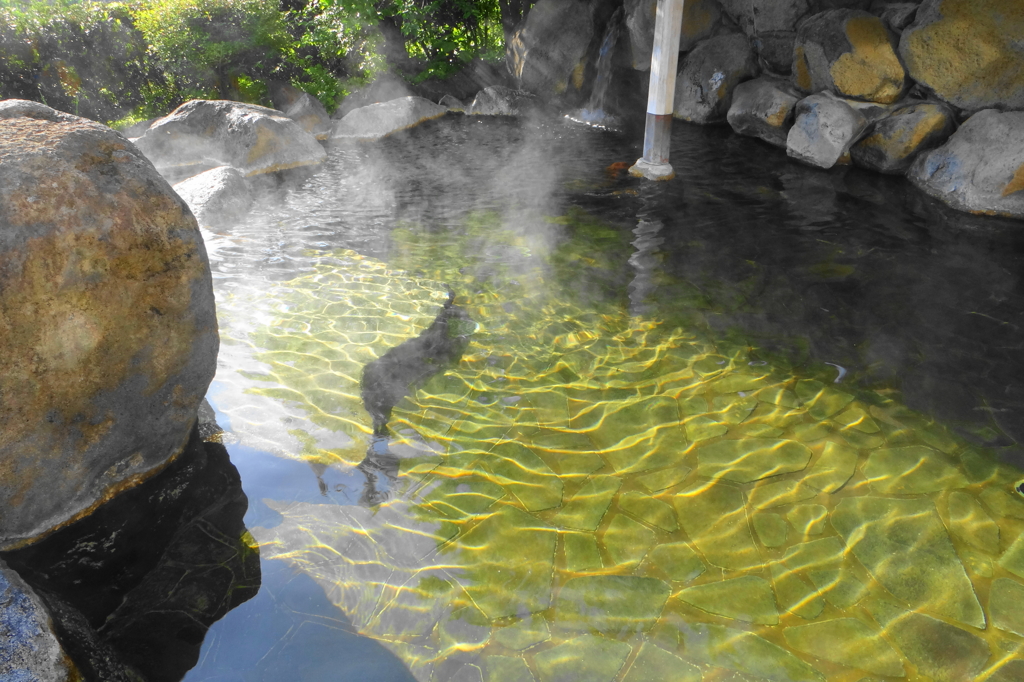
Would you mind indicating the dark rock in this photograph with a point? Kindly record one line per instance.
(217, 197)
(29, 648)
(765, 108)
(708, 76)
(547, 53)
(850, 53)
(376, 121)
(109, 328)
(968, 52)
(498, 100)
(981, 168)
(897, 15)
(758, 16)
(302, 108)
(775, 50)
(135, 585)
(895, 141)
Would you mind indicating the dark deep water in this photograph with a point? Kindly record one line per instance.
(600, 294)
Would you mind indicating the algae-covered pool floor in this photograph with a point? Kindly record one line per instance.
(604, 497)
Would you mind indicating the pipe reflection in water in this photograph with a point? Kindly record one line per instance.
(647, 256)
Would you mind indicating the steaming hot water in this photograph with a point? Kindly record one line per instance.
(645, 465)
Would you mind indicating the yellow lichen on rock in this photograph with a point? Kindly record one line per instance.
(871, 71)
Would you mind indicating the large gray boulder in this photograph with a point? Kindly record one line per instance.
(895, 141)
(708, 76)
(302, 108)
(764, 107)
(700, 19)
(547, 53)
(29, 649)
(109, 329)
(204, 134)
(498, 100)
(981, 168)
(379, 120)
(824, 130)
(969, 52)
(218, 197)
(850, 53)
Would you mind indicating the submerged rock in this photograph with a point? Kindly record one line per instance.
(547, 53)
(29, 648)
(376, 121)
(968, 52)
(850, 53)
(109, 328)
(204, 134)
(704, 86)
(217, 197)
(302, 108)
(498, 100)
(981, 168)
(764, 107)
(895, 141)
(825, 129)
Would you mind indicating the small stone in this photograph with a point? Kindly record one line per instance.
(771, 529)
(978, 467)
(794, 594)
(715, 519)
(1003, 504)
(808, 519)
(743, 652)
(1008, 671)
(704, 427)
(833, 469)
(654, 663)
(626, 541)
(524, 633)
(734, 410)
(856, 418)
(664, 479)
(912, 469)
(526, 476)
(751, 459)
(778, 396)
(1006, 605)
(587, 657)
(748, 598)
(678, 561)
(649, 510)
(969, 522)
(1013, 558)
(824, 131)
(693, 406)
(846, 641)
(776, 493)
(807, 433)
(581, 552)
(587, 507)
(838, 585)
(820, 400)
(615, 605)
(506, 669)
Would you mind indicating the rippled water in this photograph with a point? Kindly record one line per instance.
(757, 423)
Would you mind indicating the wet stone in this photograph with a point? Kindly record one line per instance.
(978, 467)
(588, 657)
(838, 585)
(978, 564)
(703, 427)
(748, 598)
(771, 529)
(523, 634)
(820, 400)
(506, 669)
(969, 522)
(794, 594)
(736, 382)
(627, 541)
(833, 469)
(615, 605)
(856, 418)
(808, 433)
(693, 406)
(941, 651)
(678, 561)
(581, 552)
(776, 493)
(808, 519)
(1010, 671)
(751, 459)
(654, 663)
(849, 642)
(1002, 503)
(652, 511)
(743, 652)
(734, 409)
(664, 479)
(910, 470)
(1013, 558)
(864, 441)
(714, 517)
(587, 507)
(1006, 605)
(904, 545)
(526, 476)
(578, 463)
(778, 396)
(465, 496)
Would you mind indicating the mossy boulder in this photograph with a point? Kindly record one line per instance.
(709, 74)
(969, 52)
(981, 168)
(896, 141)
(850, 53)
(109, 328)
(203, 134)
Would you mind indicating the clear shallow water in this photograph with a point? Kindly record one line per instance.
(643, 467)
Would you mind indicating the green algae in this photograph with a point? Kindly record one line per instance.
(523, 634)
(776, 493)
(657, 481)
(613, 605)
(650, 510)
(627, 541)
(587, 657)
(794, 594)
(526, 476)
(833, 469)
(847, 641)
(748, 598)
(772, 530)
(678, 561)
(969, 522)
(654, 663)
(715, 519)
(808, 519)
(1006, 605)
(581, 552)
(750, 459)
(587, 507)
(507, 669)
(911, 469)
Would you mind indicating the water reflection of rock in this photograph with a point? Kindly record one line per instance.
(133, 587)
